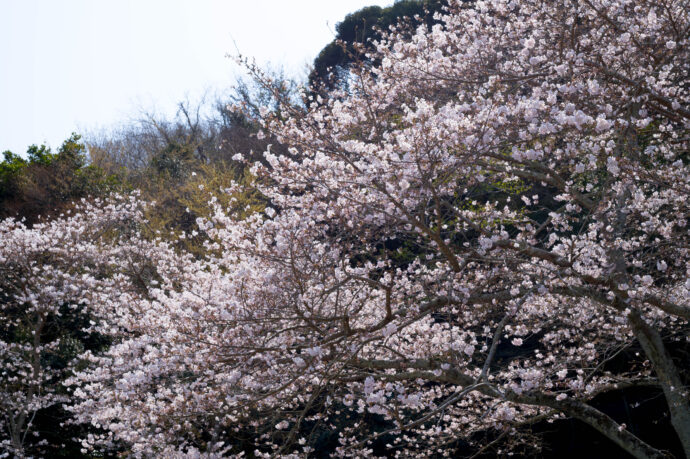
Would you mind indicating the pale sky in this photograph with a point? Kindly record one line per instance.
(84, 65)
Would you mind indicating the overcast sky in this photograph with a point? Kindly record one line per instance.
(77, 65)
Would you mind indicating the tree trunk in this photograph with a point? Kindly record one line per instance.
(669, 378)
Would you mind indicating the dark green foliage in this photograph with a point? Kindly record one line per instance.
(45, 183)
(334, 60)
(173, 160)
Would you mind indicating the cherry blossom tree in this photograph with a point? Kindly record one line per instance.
(464, 242)
(46, 274)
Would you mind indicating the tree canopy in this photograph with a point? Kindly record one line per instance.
(42, 183)
(485, 231)
(363, 27)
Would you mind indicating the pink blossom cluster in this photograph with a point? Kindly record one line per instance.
(462, 240)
